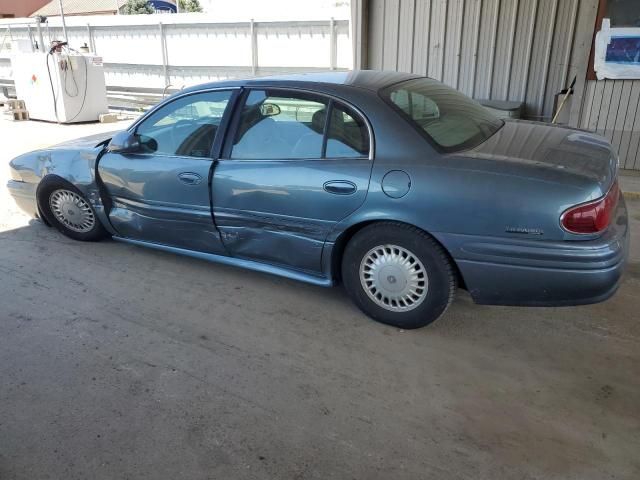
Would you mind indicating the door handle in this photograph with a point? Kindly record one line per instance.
(190, 178)
(340, 187)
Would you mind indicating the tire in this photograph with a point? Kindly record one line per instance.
(71, 204)
(384, 262)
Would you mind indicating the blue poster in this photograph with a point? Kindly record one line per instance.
(624, 50)
(162, 6)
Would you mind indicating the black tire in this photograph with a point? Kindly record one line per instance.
(439, 288)
(46, 190)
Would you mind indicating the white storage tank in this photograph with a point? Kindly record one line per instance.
(63, 86)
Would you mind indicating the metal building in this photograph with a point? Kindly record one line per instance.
(521, 50)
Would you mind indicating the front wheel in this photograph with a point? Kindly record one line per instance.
(65, 208)
(398, 275)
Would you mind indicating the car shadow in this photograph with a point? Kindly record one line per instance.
(287, 298)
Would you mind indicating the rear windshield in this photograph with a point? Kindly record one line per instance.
(450, 119)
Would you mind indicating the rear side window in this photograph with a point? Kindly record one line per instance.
(448, 118)
(348, 136)
(282, 125)
(276, 126)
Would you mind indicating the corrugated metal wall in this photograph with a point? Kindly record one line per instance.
(612, 108)
(523, 50)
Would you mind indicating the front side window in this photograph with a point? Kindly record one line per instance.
(281, 125)
(449, 118)
(185, 127)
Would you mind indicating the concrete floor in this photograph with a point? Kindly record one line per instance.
(121, 362)
(630, 183)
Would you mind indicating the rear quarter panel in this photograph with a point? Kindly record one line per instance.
(462, 194)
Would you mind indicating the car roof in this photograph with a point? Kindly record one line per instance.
(372, 80)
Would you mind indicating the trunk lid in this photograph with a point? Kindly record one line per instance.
(552, 154)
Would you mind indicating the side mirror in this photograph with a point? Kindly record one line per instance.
(269, 109)
(124, 142)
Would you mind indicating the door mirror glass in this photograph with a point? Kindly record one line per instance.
(124, 142)
(269, 110)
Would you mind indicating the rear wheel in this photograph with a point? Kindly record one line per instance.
(398, 275)
(65, 208)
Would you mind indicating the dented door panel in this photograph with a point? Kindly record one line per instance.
(279, 211)
(150, 202)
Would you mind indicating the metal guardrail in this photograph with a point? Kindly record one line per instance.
(118, 97)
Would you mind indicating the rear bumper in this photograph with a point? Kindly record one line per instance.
(501, 271)
(24, 194)
(497, 284)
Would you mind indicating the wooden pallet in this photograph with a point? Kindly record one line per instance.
(15, 105)
(18, 115)
(16, 110)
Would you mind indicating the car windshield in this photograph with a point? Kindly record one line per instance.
(449, 118)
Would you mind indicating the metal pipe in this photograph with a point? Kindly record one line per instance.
(33, 47)
(333, 51)
(165, 55)
(64, 25)
(254, 47)
(40, 36)
(92, 46)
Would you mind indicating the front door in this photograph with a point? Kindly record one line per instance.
(161, 194)
(296, 164)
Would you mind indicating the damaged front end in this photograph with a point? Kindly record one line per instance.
(73, 162)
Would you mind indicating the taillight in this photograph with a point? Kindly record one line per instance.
(592, 217)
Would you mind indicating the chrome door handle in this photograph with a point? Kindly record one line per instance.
(340, 187)
(190, 178)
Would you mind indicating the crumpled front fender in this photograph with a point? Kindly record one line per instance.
(76, 166)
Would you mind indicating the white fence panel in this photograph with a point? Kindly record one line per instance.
(204, 45)
(161, 50)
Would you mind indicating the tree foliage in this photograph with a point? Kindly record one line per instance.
(137, 7)
(190, 6)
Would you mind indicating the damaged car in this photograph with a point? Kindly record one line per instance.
(395, 185)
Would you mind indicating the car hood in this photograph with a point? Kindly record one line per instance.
(90, 141)
(550, 153)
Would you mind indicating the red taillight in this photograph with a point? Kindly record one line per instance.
(592, 217)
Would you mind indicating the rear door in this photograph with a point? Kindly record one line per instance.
(162, 193)
(295, 164)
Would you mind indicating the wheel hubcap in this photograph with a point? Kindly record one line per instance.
(394, 278)
(72, 211)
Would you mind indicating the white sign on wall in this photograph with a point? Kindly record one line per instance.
(617, 52)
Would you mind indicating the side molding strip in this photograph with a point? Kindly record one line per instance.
(236, 262)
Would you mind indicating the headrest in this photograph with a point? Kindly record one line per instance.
(318, 119)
